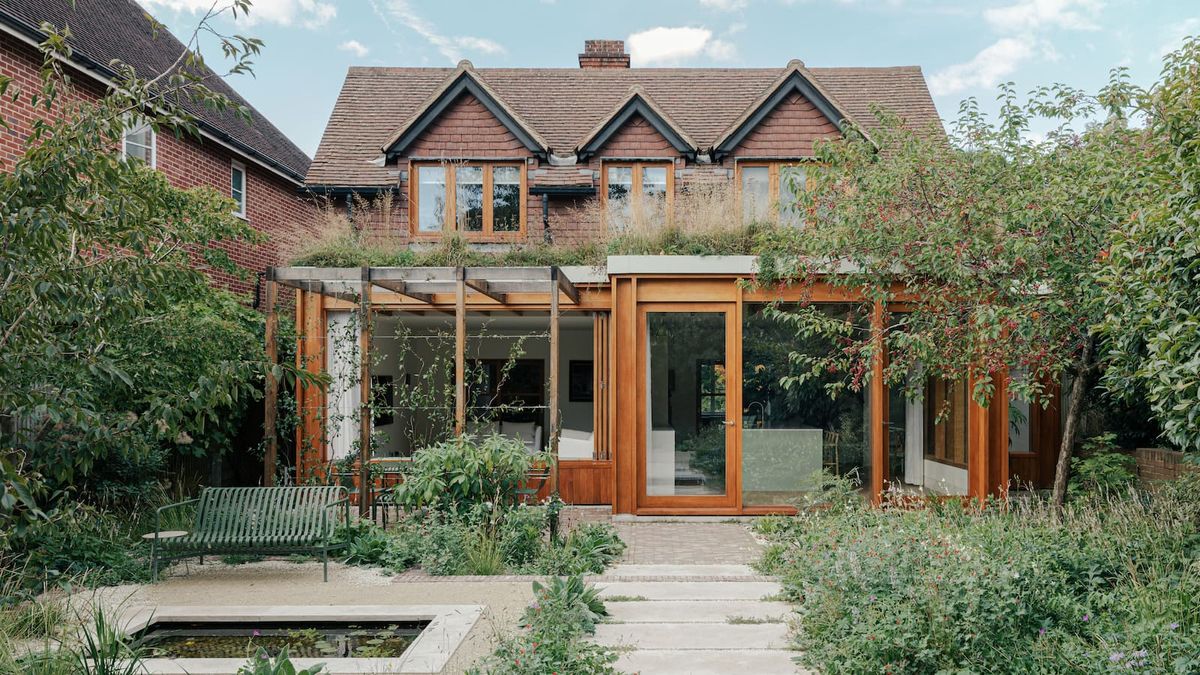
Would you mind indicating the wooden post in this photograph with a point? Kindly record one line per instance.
(270, 397)
(364, 422)
(554, 378)
(879, 421)
(460, 352)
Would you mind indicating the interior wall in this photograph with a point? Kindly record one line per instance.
(396, 357)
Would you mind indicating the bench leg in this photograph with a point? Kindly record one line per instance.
(325, 563)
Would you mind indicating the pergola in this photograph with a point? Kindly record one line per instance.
(427, 286)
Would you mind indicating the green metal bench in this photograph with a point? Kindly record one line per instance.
(256, 520)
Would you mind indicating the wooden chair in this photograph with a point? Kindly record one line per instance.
(831, 461)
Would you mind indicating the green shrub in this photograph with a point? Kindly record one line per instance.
(461, 474)
(596, 545)
(1101, 467)
(522, 531)
(1110, 586)
(563, 613)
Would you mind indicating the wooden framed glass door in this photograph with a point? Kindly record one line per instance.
(688, 406)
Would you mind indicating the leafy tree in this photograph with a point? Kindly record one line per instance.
(112, 339)
(991, 239)
(1151, 282)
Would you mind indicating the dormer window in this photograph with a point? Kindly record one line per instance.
(636, 193)
(479, 199)
(768, 191)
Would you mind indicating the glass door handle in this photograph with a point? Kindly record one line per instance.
(730, 423)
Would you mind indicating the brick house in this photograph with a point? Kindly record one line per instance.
(253, 163)
(658, 388)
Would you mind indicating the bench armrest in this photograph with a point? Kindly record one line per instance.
(344, 502)
(159, 511)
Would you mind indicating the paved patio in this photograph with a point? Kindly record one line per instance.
(692, 543)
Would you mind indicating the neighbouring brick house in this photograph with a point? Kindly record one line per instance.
(658, 385)
(252, 162)
(563, 135)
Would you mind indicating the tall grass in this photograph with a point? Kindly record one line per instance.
(704, 219)
(1114, 584)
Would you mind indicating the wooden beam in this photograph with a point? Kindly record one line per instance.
(484, 288)
(554, 381)
(402, 287)
(271, 396)
(564, 284)
(879, 422)
(365, 405)
(460, 353)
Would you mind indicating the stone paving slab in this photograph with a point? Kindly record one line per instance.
(696, 636)
(635, 570)
(696, 611)
(689, 590)
(682, 662)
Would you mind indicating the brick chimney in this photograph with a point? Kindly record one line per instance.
(604, 54)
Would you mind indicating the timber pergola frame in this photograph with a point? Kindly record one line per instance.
(421, 284)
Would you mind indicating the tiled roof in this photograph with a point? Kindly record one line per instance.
(564, 104)
(107, 30)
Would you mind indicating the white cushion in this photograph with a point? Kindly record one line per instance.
(575, 444)
(528, 433)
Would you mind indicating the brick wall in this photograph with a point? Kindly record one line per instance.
(1161, 464)
(274, 206)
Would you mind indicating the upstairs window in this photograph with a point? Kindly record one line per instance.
(768, 191)
(479, 199)
(139, 142)
(237, 187)
(637, 193)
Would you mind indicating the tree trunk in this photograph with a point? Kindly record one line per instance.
(1071, 427)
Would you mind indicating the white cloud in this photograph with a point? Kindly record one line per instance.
(354, 47)
(306, 13)
(452, 47)
(724, 5)
(996, 61)
(666, 46)
(1033, 15)
(1022, 26)
(1180, 32)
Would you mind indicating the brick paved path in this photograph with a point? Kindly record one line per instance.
(683, 543)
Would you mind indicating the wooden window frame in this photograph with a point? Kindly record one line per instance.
(450, 219)
(637, 166)
(773, 167)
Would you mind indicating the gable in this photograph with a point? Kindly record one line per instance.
(637, 137)
(788, 130)
(462, 83)
(466, 128)
(796, 82)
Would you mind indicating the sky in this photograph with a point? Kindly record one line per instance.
(966, 48)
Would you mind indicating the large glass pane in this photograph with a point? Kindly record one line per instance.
(756, 192)
(431, 198)
(468, 198)
(685, 447)
(618, 210)
(506, 199)
(792, 180)
(654, 194)
(791, 434)
(946, 404)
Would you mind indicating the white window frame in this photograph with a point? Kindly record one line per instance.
(133, 124)
(240, 212)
